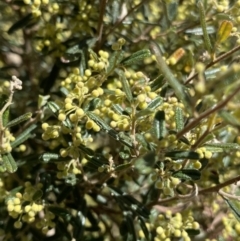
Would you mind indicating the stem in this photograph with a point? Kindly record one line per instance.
(100, 24)
(201, 192)
(221, 57)
(206, 113)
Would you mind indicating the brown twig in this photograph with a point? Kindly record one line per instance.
(100, 24)
(201, 192)
(206, 113)
(223, 56)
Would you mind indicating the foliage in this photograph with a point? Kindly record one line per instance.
(123, 121)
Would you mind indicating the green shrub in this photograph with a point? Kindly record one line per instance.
(123, 121)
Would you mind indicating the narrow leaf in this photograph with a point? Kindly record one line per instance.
(234, 206)
(159, 125)
(199, 31)
(123, 167)
(99, 121)
(172, 81)
(182, 155)
(136, 57)
(50, 156)
(179, 119)
(223, 146)
(224, 31)
(9, 163)
(19, 119)
(206, 38)
(155, 103)
(229, 118)
(187, 174)
(131, 230)
(23, 136)
(21, 23)
(144, 228)
(125, 85)
(53, 107)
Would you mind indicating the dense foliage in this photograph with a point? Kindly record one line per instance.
(119, 120)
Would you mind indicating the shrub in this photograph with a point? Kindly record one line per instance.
(119, 120)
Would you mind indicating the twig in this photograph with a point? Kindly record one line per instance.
(206, 113)
(223, 56)
(100, 23)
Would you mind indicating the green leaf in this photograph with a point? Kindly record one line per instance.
(21, 23)
(234, 206)
(9, 163)
(171, 79)
(157, 83)
(118, 109)
(220, 147)
(131, 230)
(206, 38)
(125, 85)
(99, 121)
(19, 120)
(23, 136)
(42, 100)
(62, 212)
(179, 119)
(160, 125)
(192, 232)
(37, 195)
(229, 118)
(144, 228)
(199, 31)
(53, 107)
(187, 174)
(155, 103)
(49, 156)
(114, 60)
(182, 155)
(123, 167)
(224, 31)
(136, 57)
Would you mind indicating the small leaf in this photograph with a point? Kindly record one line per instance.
(169, 76)
(53, 107)
(19, 119)
(49, 156)
(9, 163)
(123, 167)
(21, 23)
(187, 174)
(192, 232)
(58, 211)
(234, 206)
(118, 109)
(179, 119)
(144, 228)
(99, 121)
(229, 118)
(23, 136)
(159, 125)
(131, 230)
(206, 38)
(125, 85)
(182, 155)
(136, 57)
(222, 146)
(37, 195)
(155, 103)
(199, 31)
(157, 83)
(114, 60)
(224, 31)
(42, 100)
